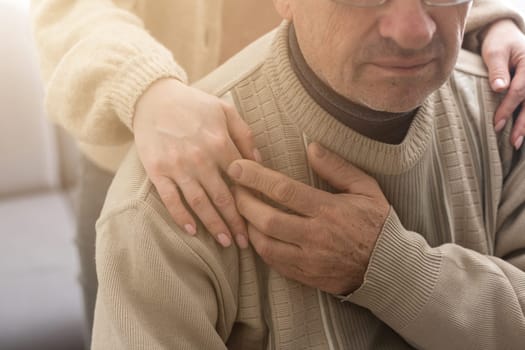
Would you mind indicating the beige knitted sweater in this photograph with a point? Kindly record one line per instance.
(446, 272)
(99, 56)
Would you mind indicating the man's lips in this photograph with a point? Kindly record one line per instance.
(403, 64)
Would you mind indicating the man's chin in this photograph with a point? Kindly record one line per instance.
(400, 95)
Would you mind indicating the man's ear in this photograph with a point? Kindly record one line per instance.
(283, 8)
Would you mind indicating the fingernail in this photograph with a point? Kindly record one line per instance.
(241, 241)
(500, 125)
(499, 84)
(319, 151)
(257, 156)
(235, 171)
(190, 229)
(224, 240)
(518, 143)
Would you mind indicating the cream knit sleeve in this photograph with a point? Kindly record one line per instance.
(96, 60)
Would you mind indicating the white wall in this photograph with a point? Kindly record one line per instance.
(19, 3)
(518, 4)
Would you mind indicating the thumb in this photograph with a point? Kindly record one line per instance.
(340, 173)
(498, 67)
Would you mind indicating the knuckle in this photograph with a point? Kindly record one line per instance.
(172, 152)
(174, 157)
(255, 179)
(339, 164)
(167, 194)
(284, 191)
(258, 180)
(492, 53)
(323, 211)
(197, 156)
(154, 166)
(268, 223)
(165, 188)
(312, 229)
(324, 226)
(210, 101)
(518, 91)
(219, 143)
(222, 199)
(197, 199)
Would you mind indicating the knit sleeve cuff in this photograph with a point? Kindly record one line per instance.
(401, 275)
(483, 14)
(136, 76)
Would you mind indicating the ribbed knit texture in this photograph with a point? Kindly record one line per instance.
(435, 279)
(99, 56)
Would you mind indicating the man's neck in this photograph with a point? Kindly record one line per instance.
(380, 126)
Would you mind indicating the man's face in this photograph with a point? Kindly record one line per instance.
(388, 58)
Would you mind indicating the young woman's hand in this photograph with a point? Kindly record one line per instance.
(186, 139)
(503, 51)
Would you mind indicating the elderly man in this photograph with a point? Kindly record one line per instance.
(425, 249)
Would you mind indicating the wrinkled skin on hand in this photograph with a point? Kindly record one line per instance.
(327, 239)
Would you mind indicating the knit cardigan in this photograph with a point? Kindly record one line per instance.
(99, 56)
(446, 271)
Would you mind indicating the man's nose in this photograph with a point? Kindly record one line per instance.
(408, 23)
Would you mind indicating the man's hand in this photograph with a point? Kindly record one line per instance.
(503, 49)
(326, 240)
(183, 140)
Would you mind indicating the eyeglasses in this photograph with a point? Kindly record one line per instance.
(374, 3)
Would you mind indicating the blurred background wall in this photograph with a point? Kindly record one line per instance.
(518, 4)
(40, 301)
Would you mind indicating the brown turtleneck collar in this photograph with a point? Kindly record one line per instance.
(380, 126)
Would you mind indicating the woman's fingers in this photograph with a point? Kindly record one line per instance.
(223, 200)
(198, 201)
(170, 197)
